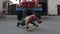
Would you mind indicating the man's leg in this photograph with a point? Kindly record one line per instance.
(21, 22)
(19, 17)
(26, 24)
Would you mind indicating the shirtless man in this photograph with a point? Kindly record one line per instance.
(30, 19)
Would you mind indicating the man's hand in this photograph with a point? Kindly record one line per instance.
(40, 22)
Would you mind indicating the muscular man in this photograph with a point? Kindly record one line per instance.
(30, 19)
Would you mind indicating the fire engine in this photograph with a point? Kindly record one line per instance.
(28, 4)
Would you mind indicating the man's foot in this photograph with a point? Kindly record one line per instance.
(27, 27)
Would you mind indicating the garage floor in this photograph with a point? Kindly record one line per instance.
(49, 26)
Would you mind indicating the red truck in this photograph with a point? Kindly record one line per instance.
(29, 4)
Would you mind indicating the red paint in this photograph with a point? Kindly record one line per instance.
(31, 4)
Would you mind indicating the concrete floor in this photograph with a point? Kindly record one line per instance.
(49, 26)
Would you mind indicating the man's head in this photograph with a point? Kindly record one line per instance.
(34, 17)
(37, 19)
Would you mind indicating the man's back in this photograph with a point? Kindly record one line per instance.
(29, 18)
